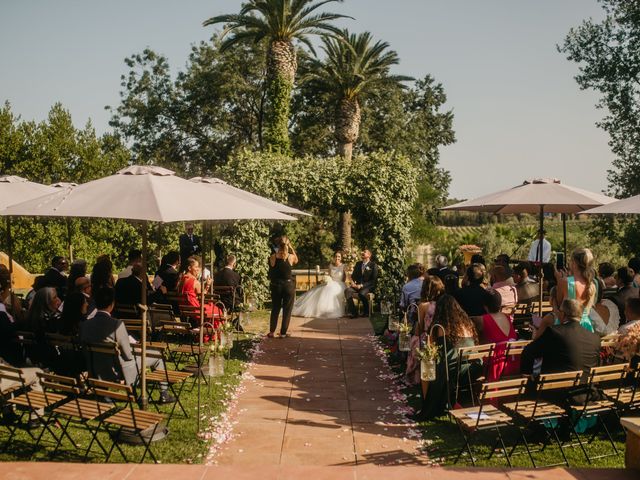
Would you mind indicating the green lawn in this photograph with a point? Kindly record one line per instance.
(443, 439)
(182, 445)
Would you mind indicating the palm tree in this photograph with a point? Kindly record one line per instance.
(354, 67)
(278, 22)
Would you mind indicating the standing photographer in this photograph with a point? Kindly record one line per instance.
(283, 288)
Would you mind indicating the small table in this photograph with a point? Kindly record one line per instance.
(632, 454)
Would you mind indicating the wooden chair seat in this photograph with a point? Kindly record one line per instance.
(469, 422)
(625, 397)
(136, 419)
(35, 399)
(172, 376)
(188, 349)
(526, 409)
(84, 409)
(594, 406)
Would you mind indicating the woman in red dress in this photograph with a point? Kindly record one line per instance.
(191, 290)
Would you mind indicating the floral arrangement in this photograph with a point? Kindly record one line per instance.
(404, 327)
(430, 351)
(629, 343)
(242, 307)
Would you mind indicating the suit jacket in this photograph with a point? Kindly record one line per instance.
(104, 328)
(129, 290)
(169, 276)
(188, 247)
(227, 277)
(368, 278)
(563, 348)
(56, 279)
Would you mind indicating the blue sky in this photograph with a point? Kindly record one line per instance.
(518, 111)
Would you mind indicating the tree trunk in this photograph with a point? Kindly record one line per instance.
(281, 71)
(348, 116)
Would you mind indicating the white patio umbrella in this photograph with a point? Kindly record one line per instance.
(629, 205)
(67, 220)
(144, 193)
(536, 196)
(14, 190)
(218, 185)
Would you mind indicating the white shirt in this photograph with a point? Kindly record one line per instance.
(127, 272)
(546, 251)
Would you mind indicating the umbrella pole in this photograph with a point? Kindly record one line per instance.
(540, 251)
(564, 235)
(10, 253)
(144, 401)
(202, 322)
(69, 238)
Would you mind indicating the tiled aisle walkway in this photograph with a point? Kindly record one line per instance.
(321, 397)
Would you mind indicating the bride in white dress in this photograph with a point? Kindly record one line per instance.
(325, 300)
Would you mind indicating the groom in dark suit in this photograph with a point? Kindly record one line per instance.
(363, 277)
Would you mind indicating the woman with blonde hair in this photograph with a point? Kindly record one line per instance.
(581, 285)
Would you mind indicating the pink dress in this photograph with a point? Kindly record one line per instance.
(499, 365)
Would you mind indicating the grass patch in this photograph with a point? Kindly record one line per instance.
(181, 445)
(443, 438)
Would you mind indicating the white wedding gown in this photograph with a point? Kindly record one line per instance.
(325, 300)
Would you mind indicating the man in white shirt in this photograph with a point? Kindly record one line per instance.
(135, 257)
(534, 251)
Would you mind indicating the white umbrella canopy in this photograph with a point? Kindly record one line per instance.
(143, 193)
(15, 189)
(218, 185)
(629, 205)
(551, 194)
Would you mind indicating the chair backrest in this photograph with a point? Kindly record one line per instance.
(546, 306)
(103, 360)
(515, 347)
(608, 373)
(502, 388)
(13, 376)
(65, 342)
(557, 381)
(158, 315)
(475, 352)
(126, 311)
(59, 383)
(609, 341)
(118, 392)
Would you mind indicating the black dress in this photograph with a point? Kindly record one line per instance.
(283, 294)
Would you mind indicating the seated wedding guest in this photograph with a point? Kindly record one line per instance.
(472, 297)
(605, 316)
(168, 274)
(105, 328)
(459, 332)
(504, 260)
(442, 268)
(503, 284)
(581, 285)
(77, 269)
(74, 312)
(496, 327)
(565, 347)
(634, 264)
(13, 304)
(606, 271)
(9, 349)
(38, 283)
(133, 258)
(102, 273)
(432, 289)
(528, 290)
(228, 277)
(625, 291)
(411, 291)
(129, 289)
(191, 289)
(55, 276)
(632, 314)
(43, 317)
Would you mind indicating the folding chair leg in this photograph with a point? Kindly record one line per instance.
(526, 446)
(584, 451)
(147, 445)
(504, 448)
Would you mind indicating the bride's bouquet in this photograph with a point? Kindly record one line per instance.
(326, 278)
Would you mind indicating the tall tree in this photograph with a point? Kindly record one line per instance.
(353, 67)
(279, 23)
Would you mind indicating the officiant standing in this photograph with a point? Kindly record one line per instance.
(189, 245)
(363, 282)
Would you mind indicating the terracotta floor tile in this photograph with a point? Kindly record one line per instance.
(62, 471)
(154, 472)
(318, 403)
(327, 459)
(221, 472)
(313, 473)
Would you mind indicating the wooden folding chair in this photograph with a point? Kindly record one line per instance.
(626, 395)
(28, 401)
(607, 348)
(598, 406)
(174, 379)
(512, 350)
(476, 354)
(543, 413)
(77, 410)
(485, 416)
(26, 342)
(122, 312)
(138, 422)
(106, 352)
